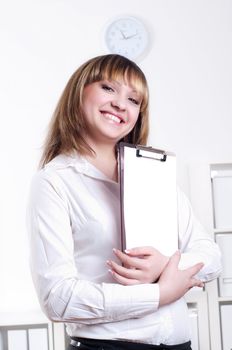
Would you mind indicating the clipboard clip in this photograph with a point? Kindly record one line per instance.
(155, 154)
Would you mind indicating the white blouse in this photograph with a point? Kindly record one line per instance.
(74, 223)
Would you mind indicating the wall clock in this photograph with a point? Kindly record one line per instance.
(127, 36)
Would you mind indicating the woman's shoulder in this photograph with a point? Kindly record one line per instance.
(55, 169)
(59, 163)
(62, 161)
(52, 177)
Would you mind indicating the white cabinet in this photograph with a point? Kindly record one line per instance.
(226, 314)
(197, 301)
(17, 339)
(221, 176)
(211, 197)
(25, 331)
(193, 315)
(26, 337)
(38, 339)
(224, 241)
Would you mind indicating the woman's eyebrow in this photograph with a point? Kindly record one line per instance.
(119, 83)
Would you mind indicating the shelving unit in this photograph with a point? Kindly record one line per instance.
(221, 180)
(29, 330)
(211, 197)
(198, 313)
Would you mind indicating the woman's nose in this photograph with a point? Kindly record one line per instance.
(118, 103)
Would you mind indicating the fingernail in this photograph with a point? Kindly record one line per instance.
(127, 251)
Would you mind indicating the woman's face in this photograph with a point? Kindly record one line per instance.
(111, 109)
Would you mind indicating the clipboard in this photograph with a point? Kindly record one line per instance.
(148, 199)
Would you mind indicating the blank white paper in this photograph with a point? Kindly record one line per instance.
(150, 201)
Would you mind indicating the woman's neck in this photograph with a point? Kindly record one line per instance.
(105, 160)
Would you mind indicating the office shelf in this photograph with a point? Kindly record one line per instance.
(212, 201)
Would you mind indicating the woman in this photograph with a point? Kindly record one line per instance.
(74, 223)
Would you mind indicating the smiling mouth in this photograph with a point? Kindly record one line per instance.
(112, 117)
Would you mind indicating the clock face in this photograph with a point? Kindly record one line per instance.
(127, 36)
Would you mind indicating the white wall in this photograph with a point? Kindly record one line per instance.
(43, 41)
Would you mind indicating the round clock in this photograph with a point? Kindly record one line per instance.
(127, 36)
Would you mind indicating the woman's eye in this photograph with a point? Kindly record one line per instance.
(133, 100)
(107, 87)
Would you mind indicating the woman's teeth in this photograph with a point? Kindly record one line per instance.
(112, 117)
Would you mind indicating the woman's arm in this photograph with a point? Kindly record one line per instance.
(62, 295)
(173, 283)
(146, 264)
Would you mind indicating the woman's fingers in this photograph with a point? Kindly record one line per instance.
(140, 251)
(196, 283)
(174, 283)
(123, 280)
(123, 271)
(144, 264)
(175, 259)
(127, 260)
(193, 270)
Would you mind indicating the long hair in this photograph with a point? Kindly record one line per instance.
(65, 133)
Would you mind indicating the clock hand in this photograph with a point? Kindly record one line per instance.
(123, 35)
(131, 36)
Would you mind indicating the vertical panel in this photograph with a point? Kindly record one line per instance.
(225, 280)
(38, 339)
(59, 336)
(226, 317)
(17, 339)
(1, 341)
(193, 315)
(222, 196)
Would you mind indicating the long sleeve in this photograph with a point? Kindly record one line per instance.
(195, 243)
(62, 294)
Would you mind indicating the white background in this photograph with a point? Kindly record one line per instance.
(189, 72)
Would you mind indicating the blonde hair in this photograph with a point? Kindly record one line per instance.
(66, 128)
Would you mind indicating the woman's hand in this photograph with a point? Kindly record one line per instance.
(174, 283)
(140, 265)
